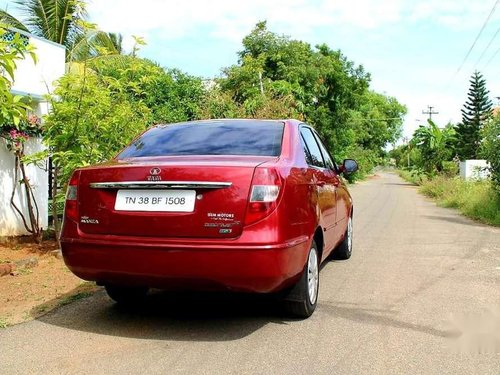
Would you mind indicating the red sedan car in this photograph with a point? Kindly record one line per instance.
(240, 205)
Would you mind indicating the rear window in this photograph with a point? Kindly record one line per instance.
(258, 138)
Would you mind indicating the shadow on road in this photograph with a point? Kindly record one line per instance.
(456, 220)
(407, 184)
(172, 316)
(378, 317)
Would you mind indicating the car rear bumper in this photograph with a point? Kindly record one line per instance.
(184, 265)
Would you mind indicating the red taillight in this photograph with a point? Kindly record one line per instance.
(264, 193)
(71, 206)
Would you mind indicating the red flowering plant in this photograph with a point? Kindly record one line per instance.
(16, 137)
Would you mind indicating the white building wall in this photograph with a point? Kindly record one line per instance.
(38, 79)
(474, 169)
(10, 223)
(34, 80)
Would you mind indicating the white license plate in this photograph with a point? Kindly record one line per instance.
(155, 200)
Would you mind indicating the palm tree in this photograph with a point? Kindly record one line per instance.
(434, 144)
(55, 20)
(64, 22)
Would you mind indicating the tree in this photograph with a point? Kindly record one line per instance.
(64, 22)
(491, 149)
(316, 84)
(434, 144)
(54, 20)
(477, 110)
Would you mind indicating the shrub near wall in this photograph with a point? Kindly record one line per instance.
(475, 199)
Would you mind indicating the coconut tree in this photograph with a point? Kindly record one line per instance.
(55, 20)
(63, 22)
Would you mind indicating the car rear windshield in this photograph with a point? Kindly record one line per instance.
(259, 138)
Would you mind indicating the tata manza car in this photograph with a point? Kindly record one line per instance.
(238, 205)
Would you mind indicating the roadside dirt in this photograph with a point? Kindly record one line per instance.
(43, 285)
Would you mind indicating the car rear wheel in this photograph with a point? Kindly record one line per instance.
(344, 251)
(126, 295)
(301, 300)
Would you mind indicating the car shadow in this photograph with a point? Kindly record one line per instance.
(192, 316)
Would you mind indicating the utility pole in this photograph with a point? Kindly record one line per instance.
(430, 112)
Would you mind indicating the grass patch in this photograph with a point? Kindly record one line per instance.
(475, 199)
(75, 297)
(85, 290)
(414, 176)
(3, 323)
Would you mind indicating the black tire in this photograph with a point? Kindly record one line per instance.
(126, 295)
(344, 250)
(298, 300)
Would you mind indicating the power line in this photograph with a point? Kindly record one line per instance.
(491, 59)
(488, 46)
(477, 37)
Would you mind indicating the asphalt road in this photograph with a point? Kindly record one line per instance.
(418, 296)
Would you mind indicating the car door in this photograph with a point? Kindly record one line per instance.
(342, 197)
(325, 186)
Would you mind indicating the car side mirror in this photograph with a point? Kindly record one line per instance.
(348, 166)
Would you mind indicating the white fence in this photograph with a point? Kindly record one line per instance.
(10, 223)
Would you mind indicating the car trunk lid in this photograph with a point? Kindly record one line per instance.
(183, 197)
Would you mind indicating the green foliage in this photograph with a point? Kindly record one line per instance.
(491, 149)
(102, 104)
(55, 20)
(435, 145)
(64, 22)
(12, 107)
(279, 77)
(91, 120)
(477, 109)
(475, 199)
(415, 176)
(172, 96)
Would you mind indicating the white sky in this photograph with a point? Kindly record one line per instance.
(412, 48)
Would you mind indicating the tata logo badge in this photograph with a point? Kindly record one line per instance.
(154, 174)
(155, 171)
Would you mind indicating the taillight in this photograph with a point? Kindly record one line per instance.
(71, 206)
(264, 193)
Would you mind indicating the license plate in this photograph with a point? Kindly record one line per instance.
(155, 200)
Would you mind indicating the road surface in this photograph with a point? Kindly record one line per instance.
(418, 296)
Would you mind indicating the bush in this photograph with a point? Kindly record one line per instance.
(415, 176)
(475, 199)
(491, 149)
(450, 168)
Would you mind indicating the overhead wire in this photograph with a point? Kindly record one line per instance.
(488, 46)
(477, 37)
(491, 59)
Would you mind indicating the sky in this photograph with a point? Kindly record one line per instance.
(415, 51)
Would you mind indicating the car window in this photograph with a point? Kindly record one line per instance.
(312, 146)
(326, 155)
(307, 153)
(227, 137)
